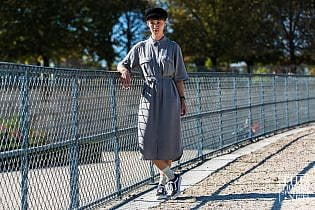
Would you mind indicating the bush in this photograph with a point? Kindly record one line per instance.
(11, 135)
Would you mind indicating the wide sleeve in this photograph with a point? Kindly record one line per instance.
(131, 60)
(180, 69)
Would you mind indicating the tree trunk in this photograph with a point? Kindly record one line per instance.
(214, 61)
(292, 68)
(128, 34)
(249, 65)
(291, 38)
(46, 60)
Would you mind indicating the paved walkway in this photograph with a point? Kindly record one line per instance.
(274, 173)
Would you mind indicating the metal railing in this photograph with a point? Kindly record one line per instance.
(68, 138)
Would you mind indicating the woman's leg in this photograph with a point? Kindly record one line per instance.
(173, 179)
(165, 167)
(169, 162)
(161, 190)
(162, 164)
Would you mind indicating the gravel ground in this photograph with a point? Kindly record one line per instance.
(279, 176)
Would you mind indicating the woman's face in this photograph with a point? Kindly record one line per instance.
(156, 28)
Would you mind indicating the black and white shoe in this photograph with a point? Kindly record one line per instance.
(174, 186)
(161, 192)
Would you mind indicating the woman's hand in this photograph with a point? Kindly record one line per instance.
(182, 107)
(180, 89)
(125, 78)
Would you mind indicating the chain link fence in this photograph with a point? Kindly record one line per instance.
(68, 137)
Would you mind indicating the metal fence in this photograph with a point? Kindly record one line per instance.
(68, 137)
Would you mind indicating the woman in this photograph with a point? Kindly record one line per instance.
(162, 101)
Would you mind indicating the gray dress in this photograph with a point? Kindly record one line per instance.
(162, 64)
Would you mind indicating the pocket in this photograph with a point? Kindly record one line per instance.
(147, 67)
(171, 93)
(168, 66)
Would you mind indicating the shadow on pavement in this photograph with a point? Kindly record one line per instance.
(202, 200)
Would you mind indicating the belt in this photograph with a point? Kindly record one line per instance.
(153, 81)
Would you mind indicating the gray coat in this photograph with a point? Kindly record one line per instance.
(162, 64)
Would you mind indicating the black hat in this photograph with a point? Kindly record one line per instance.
(155, 13)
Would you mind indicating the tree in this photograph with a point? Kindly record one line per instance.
(254, 31)
(294, 22)
(196, 27)
(35, 31)
(94, 29)
(130, 26)
(250, 36)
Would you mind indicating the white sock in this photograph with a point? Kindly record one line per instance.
(163, 178)
(169, 173)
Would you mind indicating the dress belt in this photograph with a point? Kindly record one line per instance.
(153, 81)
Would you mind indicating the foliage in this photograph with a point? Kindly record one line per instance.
(35, 31)
(262, 70)
(89, 33)
(250, 37)
(129, 28)
(11, 134)
(200, 24)
(312, 70)
(294, 22)
(41, 32)
(208, 63)
(244, 30)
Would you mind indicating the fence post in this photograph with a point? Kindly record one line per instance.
(308, 99)
(262, 107)
(297, 100)
(74, 176)
(236, 126)
(220, 112)
(115, 132)
(287, 99)
(199, 121)
(24, 146)
(274, 102)
(250, 106)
